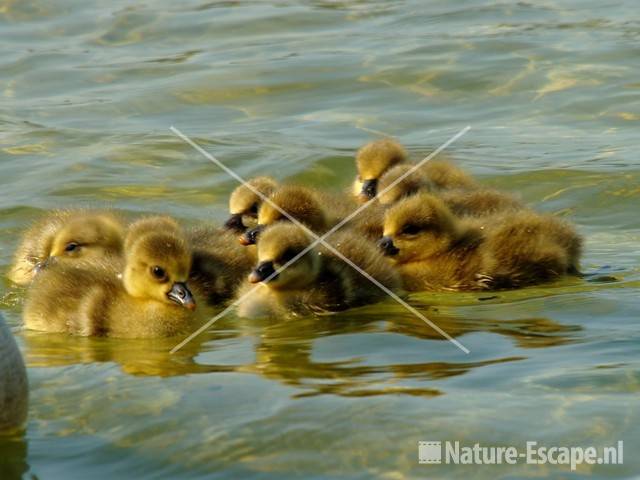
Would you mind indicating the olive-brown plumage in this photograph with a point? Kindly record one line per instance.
(481, 202)
(372, 161)
(317, 211)
(147, 296)
(377, 158)
(220, 263)
(431, 247)
(67, 234)
(245, 201)
(403, 181)
(445, 175)
(436, 250)
(526, 248)
(317, 281)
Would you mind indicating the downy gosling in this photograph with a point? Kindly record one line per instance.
(67, 234)
(401, 182)
(302, 203)
(372, 161)
(220, 263)
(317, 281)
(244, 202)
(147, 297)
(376, 158)
(435, 250)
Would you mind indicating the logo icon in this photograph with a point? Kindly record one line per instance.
(429, 452)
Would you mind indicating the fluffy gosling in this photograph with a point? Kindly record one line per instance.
(244, 202)
(372, 161)
(220, 263)
(316, 282)
(66, 234)
(435, 250)
(401, 182)
(150, 298)
(302, 203)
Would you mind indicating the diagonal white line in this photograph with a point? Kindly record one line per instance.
(395, 182)
(321, 239)
(241, 299)
(396, 298)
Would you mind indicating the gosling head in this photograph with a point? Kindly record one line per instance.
(417, 228)
(151, 224)
(400, 182)
(244, 201)
(372, 161)
(157, 266)
(279, 244)
(86, 237)
(298, 202)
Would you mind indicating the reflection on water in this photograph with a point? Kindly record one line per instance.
(13, 461)
(135, 357)
(284, 351)
(89, 91)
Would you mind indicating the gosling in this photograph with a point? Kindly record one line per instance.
(372, 161)
(317, 281)
(244, 202)
(67, 234)
(376, 158)
(302, 203)
(220, 263)
(150, 298)
(401, 182)
(435, 250)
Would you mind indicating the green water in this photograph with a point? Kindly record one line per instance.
(551, 89)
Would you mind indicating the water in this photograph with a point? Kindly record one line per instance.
(551, 91)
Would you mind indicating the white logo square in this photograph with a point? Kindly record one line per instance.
(429, 452)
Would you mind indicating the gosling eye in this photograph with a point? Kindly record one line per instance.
(411, 229)
(288, 255)
(159, 273)
(71, 247)
(253, 210)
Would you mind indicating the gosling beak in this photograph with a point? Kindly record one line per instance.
(369, 188)
(235, 223)
(181, 295)
(250, 237)
(263, 271)
(387, 246)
